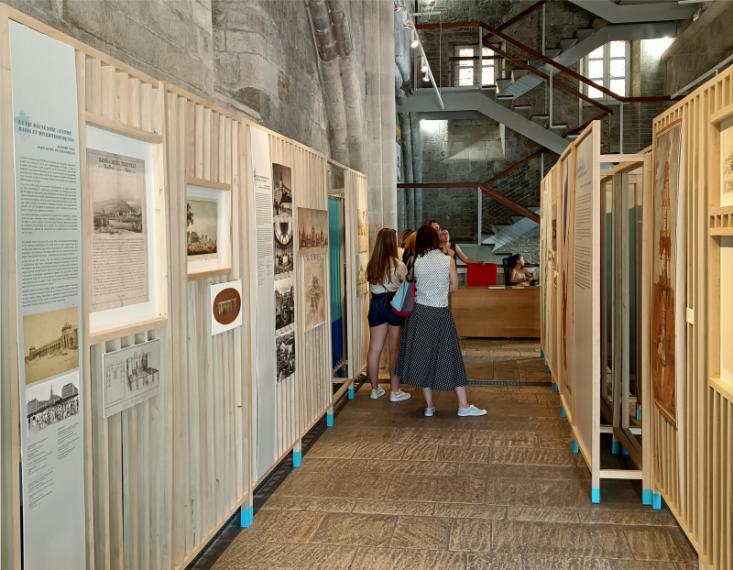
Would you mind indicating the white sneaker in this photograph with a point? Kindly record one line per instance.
(378, 393)
(429, 412)
(399, 396)
(471, 411)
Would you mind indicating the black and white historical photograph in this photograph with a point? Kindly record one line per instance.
(284, 303)
(282, 219)
(282, 193)
(51, 343)
(285, 354)
(131, 375)
(312, 231)
(48, 403)
(201, 226)
(119, 205)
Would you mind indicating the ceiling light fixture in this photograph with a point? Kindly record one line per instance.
(415, 41)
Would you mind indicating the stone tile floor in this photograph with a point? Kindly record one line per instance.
(389, 488)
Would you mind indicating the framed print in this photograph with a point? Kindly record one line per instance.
(208, 230)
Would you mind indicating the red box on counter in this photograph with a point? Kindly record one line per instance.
(481, 275)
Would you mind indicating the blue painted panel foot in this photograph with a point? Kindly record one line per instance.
(595, 496)
(329, 420)
(542, 353)
(554, 388)
(562, 412)
(624, 451)
(297, 459)
(351, 394)
(614, 447)
(547, 369)
(657, 501)
(646, 497)
(638, 414)
(246, 517)
(575, 447)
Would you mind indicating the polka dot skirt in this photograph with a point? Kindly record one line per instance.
(430, 354)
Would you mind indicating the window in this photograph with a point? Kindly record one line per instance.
(608, 66)
(467, 66)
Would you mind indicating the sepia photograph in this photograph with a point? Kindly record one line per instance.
(51, 343)
(312, 231)
(131, 375)
(314, 293)
(362, 230)
(201, 226)
(283, 250)
(285, 355)
(284, 303)
(49, 403)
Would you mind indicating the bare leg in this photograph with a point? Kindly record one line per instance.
(377, 337)
(428, 395)
(395, 338)
(462, 397)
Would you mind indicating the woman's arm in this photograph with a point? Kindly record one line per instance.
(517, 278)
(464, 258)
(453, 275)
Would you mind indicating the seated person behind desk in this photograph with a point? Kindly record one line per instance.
(519, 275)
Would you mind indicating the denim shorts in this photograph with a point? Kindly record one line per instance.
(380, 311)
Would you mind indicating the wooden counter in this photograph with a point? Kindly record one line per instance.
(483, 312)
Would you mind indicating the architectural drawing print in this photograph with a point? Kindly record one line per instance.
(131, 375)
(664, 268)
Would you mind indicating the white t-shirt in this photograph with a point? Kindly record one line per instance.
(395, 277)
(432, 279)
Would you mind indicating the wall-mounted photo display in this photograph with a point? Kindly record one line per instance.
(362, 225)
(285, 355)
(667, 302)
(226, 306)
(284, 305)
(282, 219)
(312, 231)
(126, 264)
(131, 376)
(362, 284)
(208, 230)
(314, 297)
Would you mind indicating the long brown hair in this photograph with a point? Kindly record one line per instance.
(383, 257)
(427, 240)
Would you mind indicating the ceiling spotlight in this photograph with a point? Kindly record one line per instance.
(424, 67)
(426, 78)
(415, 42)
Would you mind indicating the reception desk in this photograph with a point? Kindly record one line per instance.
(497, 313)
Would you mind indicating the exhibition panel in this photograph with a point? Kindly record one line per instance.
(693, 392)
(149, 242)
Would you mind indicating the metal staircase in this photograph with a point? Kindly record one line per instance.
(505, 234)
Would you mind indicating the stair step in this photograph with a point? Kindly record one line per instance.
(522, 107)
(552, 52)
(572, 136)
(559, 126)
(518, 73)
(599, 23)
(504, 82)
(491, 87)
(583, 33)
(567, 43)
(540, 117)
(504, 97)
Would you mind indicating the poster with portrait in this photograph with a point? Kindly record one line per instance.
(314, 292)
(312, 231)
(226, 306)
(668, 296)
(284, 305)
(282, 219)
(362, 284)
(121, 226)
(131, 376)
(285, 355)
(362, 228)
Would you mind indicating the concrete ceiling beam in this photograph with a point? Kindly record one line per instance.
(635, 13)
